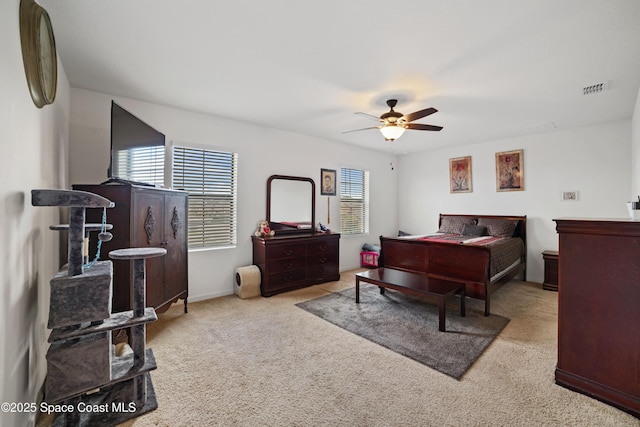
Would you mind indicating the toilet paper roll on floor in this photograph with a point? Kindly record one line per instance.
(248, 281)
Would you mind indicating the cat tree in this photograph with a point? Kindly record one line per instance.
(86, 381)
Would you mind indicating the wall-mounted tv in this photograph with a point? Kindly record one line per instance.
(137, 150)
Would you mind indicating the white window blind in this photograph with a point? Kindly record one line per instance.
(142, 164)
(210, 178)
(354, 201)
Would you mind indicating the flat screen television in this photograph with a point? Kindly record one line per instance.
(137, 150)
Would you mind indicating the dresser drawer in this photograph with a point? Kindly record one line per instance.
(287, 264)
(319, 272)
(322, 258)
(285, 279)
(285, 251)
(322, 246)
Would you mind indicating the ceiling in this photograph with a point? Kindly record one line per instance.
(493, 68)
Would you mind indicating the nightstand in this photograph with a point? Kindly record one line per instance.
(550, 270)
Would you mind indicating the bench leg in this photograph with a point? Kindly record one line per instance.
(357, 290)
(442, 313)
(381, 290)
(463, 306)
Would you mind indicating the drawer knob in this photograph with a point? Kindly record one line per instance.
(288, 252)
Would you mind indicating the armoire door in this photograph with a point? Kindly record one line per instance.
(175, 241)
(148, 231)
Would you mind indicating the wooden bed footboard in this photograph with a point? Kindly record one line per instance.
(465, 264)
(461, 263)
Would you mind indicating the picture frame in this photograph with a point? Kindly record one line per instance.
(510, 170)
(460, 175)
(327, 182)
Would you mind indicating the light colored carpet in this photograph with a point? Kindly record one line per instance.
(408, 325)
(266, 362)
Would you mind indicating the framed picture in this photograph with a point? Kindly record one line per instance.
(460, 175)
(328, 182)
(510, 171)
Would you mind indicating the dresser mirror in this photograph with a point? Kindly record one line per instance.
(291, 204)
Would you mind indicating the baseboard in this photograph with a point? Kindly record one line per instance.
(601, 392)
(212, 295)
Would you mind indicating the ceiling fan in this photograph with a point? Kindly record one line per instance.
(393, 124)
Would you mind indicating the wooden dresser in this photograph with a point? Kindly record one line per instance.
(599, 310)
(296, 261)
(145, 217)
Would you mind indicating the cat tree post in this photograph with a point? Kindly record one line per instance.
(138, 333)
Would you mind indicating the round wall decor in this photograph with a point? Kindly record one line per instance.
(38, 52)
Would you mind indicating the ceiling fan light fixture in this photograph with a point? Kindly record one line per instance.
(392, 124)
(392, 132)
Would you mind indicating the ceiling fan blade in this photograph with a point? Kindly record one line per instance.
(370, 117)
(418, 126)
(419, 114)
(357, 130)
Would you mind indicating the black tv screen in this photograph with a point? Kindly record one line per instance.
(137, 149)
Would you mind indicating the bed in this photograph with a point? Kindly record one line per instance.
(482, 251)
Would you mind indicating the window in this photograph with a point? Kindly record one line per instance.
(210, 177)
(354, 201)
(142, 164)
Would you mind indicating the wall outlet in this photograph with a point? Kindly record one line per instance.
(569, 195)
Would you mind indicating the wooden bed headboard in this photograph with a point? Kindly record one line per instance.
(521, 228)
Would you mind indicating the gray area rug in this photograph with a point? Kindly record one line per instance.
(409, 326)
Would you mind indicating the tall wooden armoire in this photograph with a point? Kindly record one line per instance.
(145, 216)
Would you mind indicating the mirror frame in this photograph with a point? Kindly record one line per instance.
(313, 204)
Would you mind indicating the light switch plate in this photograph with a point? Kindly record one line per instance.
(569, 195)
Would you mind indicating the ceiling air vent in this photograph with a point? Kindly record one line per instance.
(588, 90)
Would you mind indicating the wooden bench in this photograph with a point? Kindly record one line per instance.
(437, 289)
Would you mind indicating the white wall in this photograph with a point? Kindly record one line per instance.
(34, 155)
(593, 160)
(261, 152)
